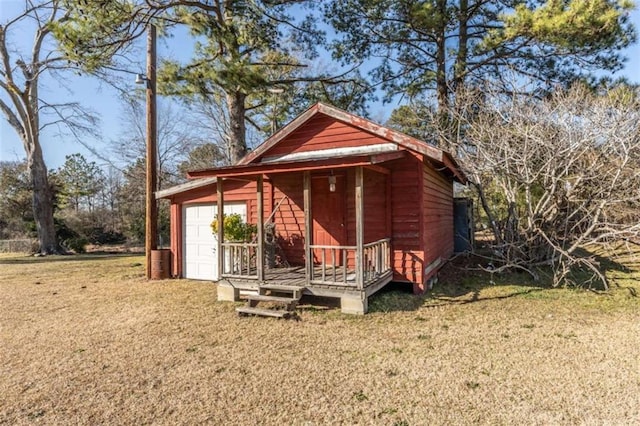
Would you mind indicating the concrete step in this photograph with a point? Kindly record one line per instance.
(246, 310)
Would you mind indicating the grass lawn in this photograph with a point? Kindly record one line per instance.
(87, 340)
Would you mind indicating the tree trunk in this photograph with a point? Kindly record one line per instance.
(42, 202)
(460, 66)
(442, 89)
(441, 58)
(237, 143)
(485, 206)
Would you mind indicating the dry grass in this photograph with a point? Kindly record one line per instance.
(86, 340)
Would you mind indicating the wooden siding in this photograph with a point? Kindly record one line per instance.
(437, 196)
(376, 224)
(406, 218)
(320, 133)
(234, 190)
(289, 218)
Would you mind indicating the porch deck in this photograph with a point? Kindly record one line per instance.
(296, 276)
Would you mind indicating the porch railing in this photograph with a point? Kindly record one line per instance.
(239, 260)
(336, 264)
(332, 265)
(376, 260)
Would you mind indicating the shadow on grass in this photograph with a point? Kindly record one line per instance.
(30, 259)
(396, 296)
(462, 281)
(318, 304)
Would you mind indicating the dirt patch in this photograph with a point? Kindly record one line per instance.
(87, 340)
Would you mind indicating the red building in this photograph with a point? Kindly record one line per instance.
(354, 205)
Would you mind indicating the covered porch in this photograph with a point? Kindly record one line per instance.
(337, 260)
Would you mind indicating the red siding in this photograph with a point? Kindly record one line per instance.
(322, 132)
(406, 216)
(234, 190)
(289, 218)
(437, 194)
(375, 211)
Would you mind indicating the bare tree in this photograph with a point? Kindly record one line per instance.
(210, 117)
(554, 176)
(20, 102)
(177, 136)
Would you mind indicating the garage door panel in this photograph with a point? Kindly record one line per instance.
(206, 269)
(204, 231)
(191, 250)
(191, 231)
(204, 251)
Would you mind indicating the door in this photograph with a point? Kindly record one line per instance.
(328, 215)
(200, 261)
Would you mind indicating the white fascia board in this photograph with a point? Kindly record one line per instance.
(332, 153)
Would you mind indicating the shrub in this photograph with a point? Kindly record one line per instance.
(234, 228)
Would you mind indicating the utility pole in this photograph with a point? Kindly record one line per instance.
(151, 219)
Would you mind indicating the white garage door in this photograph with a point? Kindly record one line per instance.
(200, 261)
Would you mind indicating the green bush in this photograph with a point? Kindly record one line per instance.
(234, 228)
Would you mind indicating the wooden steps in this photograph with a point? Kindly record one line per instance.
(284, 299)
(275, 299)
(294, 291)
(277, 313)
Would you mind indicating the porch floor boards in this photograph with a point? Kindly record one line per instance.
(295, 276)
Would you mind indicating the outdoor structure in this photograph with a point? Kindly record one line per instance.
(353, 205)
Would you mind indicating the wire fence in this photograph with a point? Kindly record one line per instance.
(18, 246)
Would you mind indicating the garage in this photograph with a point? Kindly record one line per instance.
(199, 243)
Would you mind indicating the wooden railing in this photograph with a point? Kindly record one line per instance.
(336, 264)
(239, 260)
(332, 265)
(376, 260)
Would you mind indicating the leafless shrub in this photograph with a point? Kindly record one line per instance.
(553, 175)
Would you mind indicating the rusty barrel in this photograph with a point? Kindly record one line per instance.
(160, 264)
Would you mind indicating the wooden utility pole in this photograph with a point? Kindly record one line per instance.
(151, 219)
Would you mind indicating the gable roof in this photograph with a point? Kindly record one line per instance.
(390, 142)
(405, 141)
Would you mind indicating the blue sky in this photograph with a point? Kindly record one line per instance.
(104, 101)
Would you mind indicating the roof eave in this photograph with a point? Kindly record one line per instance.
(185, 187)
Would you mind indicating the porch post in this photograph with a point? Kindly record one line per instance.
(260, 236)
(307, 225)
(220, 201)
(359, 227)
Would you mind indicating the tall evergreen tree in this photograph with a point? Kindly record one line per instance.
(236, 41)
(81, 182)
(440, 46)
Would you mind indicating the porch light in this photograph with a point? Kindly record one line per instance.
(332, 183)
